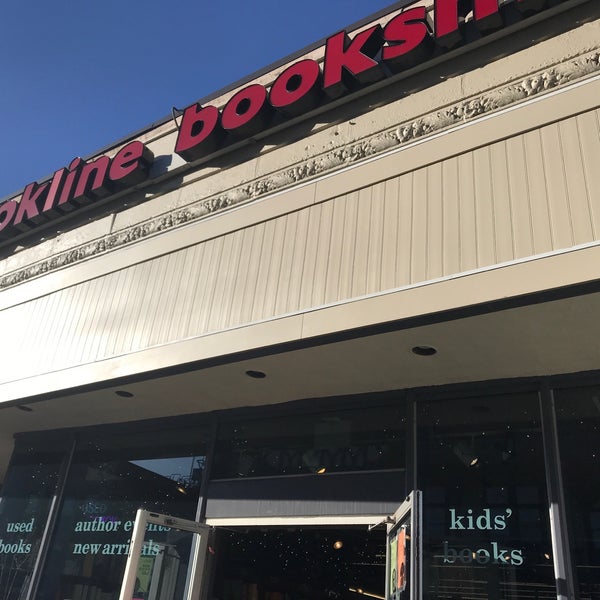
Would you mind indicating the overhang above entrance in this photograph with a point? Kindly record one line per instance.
(553, 337)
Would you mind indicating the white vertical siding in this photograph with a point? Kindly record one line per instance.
(532, 193)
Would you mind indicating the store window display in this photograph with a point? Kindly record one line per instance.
(578, 419)
(24, 505)
(486, 526)
(109, 479)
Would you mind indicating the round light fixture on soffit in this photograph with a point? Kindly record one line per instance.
(256, 374)
(424, 350)
(123, 394)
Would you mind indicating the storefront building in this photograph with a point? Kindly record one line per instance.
(368, 270)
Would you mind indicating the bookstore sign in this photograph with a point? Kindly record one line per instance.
(349, 63)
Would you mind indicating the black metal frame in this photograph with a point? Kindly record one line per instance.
(565, 575)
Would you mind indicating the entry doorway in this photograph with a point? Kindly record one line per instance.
(312, 560)
(307, 559)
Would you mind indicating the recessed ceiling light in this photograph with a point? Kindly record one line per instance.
(424, 350)
(124, 394)
(25, 408)
(256, 374)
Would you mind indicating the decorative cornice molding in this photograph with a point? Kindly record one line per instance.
(342, 156)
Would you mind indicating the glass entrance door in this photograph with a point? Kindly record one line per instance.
(166, 558)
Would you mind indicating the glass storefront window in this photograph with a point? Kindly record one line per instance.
(24, 505)
(578, 419)
(108, 481)
(485, 515)
(341, 441)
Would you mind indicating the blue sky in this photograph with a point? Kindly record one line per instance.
(78, 76)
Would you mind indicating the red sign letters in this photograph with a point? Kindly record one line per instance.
(349, 63)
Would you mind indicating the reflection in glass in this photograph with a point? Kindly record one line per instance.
(299, 563)
(163, 566)
(578, 416)
(344, 441)
(24, 506)
(481, 470)
(108, 481)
